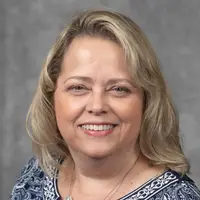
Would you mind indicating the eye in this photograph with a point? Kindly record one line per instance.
(119, 90)
(77, 89)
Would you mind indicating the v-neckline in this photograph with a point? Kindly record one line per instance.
(146, 190)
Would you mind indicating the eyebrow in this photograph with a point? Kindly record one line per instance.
(110, 81)
(82, 78)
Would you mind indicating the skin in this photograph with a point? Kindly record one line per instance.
(94, 86)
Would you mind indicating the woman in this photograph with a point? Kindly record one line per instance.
(102, 122)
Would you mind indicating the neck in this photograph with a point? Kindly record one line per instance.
(107, 170)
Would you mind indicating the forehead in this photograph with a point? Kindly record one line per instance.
(93, 52)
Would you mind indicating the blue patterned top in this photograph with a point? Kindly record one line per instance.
(35, 184)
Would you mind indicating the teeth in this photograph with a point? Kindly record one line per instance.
(97, 127)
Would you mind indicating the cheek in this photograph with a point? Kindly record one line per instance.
(66, 109)
(130, 114)
(130, 111)
(134, 112)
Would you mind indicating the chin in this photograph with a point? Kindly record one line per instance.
(95, 153)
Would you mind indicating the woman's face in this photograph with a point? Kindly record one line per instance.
(98, 109)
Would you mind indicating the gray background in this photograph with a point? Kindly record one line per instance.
(28, 29)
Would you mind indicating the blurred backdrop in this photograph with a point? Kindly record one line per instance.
(27, 31)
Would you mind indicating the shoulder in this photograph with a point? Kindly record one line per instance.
(29, 185)
(168, 186)
(183, 188)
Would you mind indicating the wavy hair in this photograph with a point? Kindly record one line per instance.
(159, 139)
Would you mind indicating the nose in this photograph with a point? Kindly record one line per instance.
(97, 104)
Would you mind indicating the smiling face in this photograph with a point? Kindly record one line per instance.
(98, 109)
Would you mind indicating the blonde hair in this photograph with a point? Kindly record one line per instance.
(159, 135)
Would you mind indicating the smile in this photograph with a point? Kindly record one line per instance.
(93, 127)
(96, 130)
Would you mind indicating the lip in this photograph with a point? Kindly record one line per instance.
(98, 133)
(97, 123)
